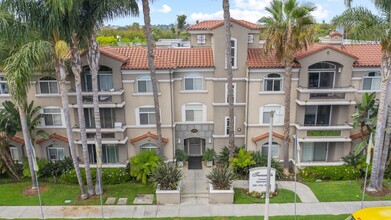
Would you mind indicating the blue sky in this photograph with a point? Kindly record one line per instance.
(166, 11)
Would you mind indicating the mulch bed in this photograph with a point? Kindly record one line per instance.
(29, 191)
(384, 192)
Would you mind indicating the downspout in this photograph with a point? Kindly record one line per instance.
(247, 106)
(172, 114)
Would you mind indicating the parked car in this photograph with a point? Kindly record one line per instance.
(373, 213)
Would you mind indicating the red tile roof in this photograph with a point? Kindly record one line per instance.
(212, 24)
(17, 139)
(335, 33)
(165, 58)
(110, 52)
(147, 135)
(53, 136)
(265, 135)
(365, 55)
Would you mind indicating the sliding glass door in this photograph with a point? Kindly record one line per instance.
(314, 152)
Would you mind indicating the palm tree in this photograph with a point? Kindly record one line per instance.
(369, 26)
(230, 96)
(50, 27)
(288, 29)
(151, 64)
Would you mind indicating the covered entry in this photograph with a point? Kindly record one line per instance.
(194, 147)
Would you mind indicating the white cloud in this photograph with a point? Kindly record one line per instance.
(251, 4)
(320, 13)
(248, 15)
(164, 9)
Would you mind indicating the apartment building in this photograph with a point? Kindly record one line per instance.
(328, 80)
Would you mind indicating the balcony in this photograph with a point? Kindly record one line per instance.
(323, 132)
(326, 96)
(107, 99)
(115, 135)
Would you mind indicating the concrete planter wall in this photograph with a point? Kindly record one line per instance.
(221, 196)
(209, 163)
(168, 196)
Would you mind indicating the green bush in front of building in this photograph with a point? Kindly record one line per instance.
(333, 173)
(144, 164)
(110, 176)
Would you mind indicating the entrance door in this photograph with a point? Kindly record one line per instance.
(194, 146)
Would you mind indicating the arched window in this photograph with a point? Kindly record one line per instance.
(322, 66)
(275, 149)
(55, 152)
(273, 82)
(48, 85)
(194, 112)
(193, 81)
(144, 84)
(371, 81)
(149, 146)
(105, 79)
(278, 118)
(51, 116)
(321, 75)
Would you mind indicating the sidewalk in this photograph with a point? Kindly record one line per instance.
(184, 210)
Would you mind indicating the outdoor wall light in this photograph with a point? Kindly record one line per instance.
(179, 141)
(210, 140)
(239, 129)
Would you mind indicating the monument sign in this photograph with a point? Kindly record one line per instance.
(257, 179)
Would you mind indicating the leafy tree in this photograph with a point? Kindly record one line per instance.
(288, 29)
(144, 164)
(181, 22)
(242, 161)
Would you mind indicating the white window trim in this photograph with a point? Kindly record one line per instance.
(12, 149)
(55, 147)
(201, 39)
(371, 77)
(250, 38)
(137, 114)
(235, 66)
(148, 146)
(192, 103)
(52, 126)
(225, 125)
(278, 149)
(137, 89)
(266, 78)
(226, 93)
(199, 77)
(271, 105)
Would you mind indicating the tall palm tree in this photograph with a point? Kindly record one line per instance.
(369, 26)
(35, 13)
(288, 29)
(152, 69)
(230, 96)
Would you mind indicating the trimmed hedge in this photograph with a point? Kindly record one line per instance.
(110, 176)
(333, 173)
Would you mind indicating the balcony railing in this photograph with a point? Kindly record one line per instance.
(104, 97)
(326, 94)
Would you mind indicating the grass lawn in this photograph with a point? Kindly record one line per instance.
(56, 194)
(283, 196)
(334, 191)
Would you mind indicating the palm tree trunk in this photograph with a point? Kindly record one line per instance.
(76, 69)
(386, 146)
(26, 136)
(287, 114)
(5, 157)
(231, 110)
(93, 62)
(151, 64)
(61, 75)
(374, 184)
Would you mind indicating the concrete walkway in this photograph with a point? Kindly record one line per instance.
(195, 186)
(184, 210)
(303, 192)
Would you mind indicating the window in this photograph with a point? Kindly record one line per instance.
(51, 117)
(278, 114)
(371, 81)
(144, 84)
(317, 115)
(250, 38)
(226, 92)
(109, 153)
(147, 116)
(201, 39)
(227, 125)
(275, 149)
(194, 112)
(105, 79)
(55, 152)
(3, 86)
(321, 75)
(14, 153)
(48, 85)
(233, 52)
(273, 82)
(314, 151)
(107, 117)
(193, 81)
(149, 146)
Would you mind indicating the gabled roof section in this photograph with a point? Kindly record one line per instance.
(256, 58)
(212, 24)
(147, 135)
(319, 47)
(17, 139)
(369, 55)
(53, 136)
(265, 135)
(110, 52)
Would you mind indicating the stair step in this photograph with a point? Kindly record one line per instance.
(198, 195)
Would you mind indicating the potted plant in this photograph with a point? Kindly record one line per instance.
(220, 185)
(180, 157)
(209, 156)
(167, 179)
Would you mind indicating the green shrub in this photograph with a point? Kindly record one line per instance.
(209, 155)
(180, 155)
(261, 161)
(41, 164)
(221, 177)
(143, 164)
(56, 168)
(223, 157)
(241, 162)
(110, 176)
(167, 176)
(358, 162)
(333, 173)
